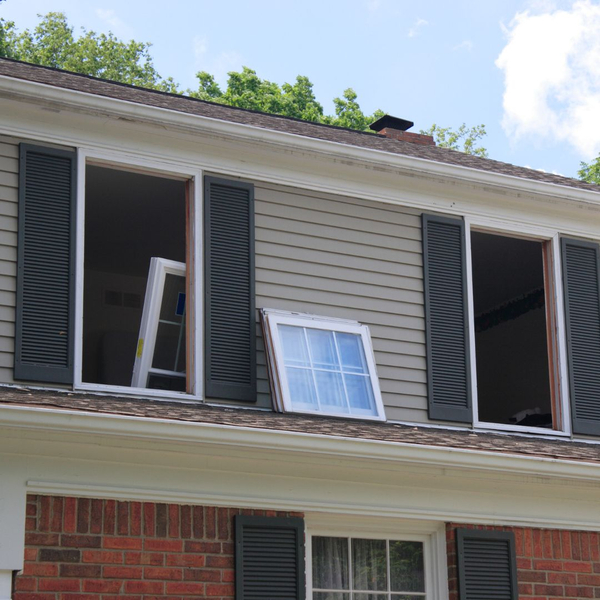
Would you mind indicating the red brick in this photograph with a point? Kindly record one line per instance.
(185, 560)
(596, 567)
(556, 544)
(547, 543)
(110, 509)
(80, 541)
(227, 548)
(164, 573)
(102, 556)
(123, 518)
(59, 585)
(41, 539)
(122, 597)
(80, 571)
(524, 563)
(203, 547)
(164, 545)
(144, 587)
(185, 588)
(585, 546)
(149, 517)
(83, 515)
(548, 590)
(219, 589)
(144, 558)
(577, 567)
(537, 544)
(96, 516)
(173, 520)
(70, 515)
(576, 545)
(209, 522)
(223, 523)
(222, 562)
(186, 522)
(30, 554)
(198, 517)
(579, 591)
(55, 555)
(26, 584)
(56, 522)
(40, 569)
(44, 513)
(548, 565)
(532, 576)
(112, 572)
(527, 542)
(568, 578)
(161, 520)
(135, 518)
(566, 544)
(31, 509)
(525, 589)
(594, 545)
(588, 579)
(32, 596)
(202, 575)
(123, 543)
(79, 597)
(228, 575)
(102, 586)
(30, 523)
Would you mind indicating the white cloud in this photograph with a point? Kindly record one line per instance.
(373, 5)
(219, 65)
(117, 26)
(551, 66)
(200, 45)
(464, 45)
(416, 28)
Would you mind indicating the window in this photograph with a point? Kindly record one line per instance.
(320, 365)
(346, 568)
(93, 231)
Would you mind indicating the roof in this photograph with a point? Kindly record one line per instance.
(558, 449)
(109, 89)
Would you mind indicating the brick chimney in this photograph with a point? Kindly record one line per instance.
(395, 128)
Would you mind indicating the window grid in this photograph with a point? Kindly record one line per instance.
(350, 592)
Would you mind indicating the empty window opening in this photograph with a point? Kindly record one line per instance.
(511, 334)
(130, 218)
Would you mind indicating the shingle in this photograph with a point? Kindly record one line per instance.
(128, 93)
(560, 449)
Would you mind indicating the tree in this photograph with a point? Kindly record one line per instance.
(590, 172)
(53, 44)
(446, 137)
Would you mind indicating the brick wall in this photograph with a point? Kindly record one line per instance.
(551, 563)
(89, 549)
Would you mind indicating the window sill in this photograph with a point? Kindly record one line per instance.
(117, 390)
(483, 426)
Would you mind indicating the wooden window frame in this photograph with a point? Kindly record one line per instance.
(555, 322)
(272, 318)
(194, 251)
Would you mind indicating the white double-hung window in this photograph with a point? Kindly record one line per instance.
(321, 365)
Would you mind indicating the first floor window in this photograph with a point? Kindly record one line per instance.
(346, 568)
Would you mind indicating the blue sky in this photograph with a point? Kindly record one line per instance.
(527, 69)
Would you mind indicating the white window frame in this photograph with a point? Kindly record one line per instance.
(431, 534)
(273, 318)
(540, 234)
(195, 330)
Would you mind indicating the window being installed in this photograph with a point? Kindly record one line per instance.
(320, 365)
(367, 569)
(130, 219)
(512, 303)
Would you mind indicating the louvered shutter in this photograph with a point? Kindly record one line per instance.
(582, 315)
(446, 322)
(487, 567)
(269, 559)
(44, 333)
(230, 321)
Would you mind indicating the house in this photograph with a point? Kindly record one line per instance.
(248, 356)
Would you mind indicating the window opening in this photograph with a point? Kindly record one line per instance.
(514, 352)
(367, 569)
(130, 218)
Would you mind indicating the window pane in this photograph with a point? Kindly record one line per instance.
(294, 346)
(322, 349)
(330, 563)
(302, 389)
(166, 382)
(370, 597)
(330, 596)
(360, 393)
(406, 567)
(351, 352)
(331, 390)
(369, 564)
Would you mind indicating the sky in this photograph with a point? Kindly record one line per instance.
(529, 70)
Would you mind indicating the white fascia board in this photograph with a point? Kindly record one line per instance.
(75, 100)
(67, 422)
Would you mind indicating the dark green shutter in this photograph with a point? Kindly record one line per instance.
(230, 320)
(46, 265)
(582, 315)
(446, 321)
(269, 558)
(487, 566)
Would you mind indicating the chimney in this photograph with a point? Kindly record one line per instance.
(395, 128)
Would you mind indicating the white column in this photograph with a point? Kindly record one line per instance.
(5, 584)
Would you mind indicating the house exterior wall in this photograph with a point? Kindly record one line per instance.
(87, 548)
(551, 563)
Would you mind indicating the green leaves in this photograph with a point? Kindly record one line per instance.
(590, 172)
(446, 137)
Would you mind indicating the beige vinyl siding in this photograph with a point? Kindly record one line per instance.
(9, 174)
(353, 259)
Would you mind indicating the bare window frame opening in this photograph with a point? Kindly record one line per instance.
(280, 385)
